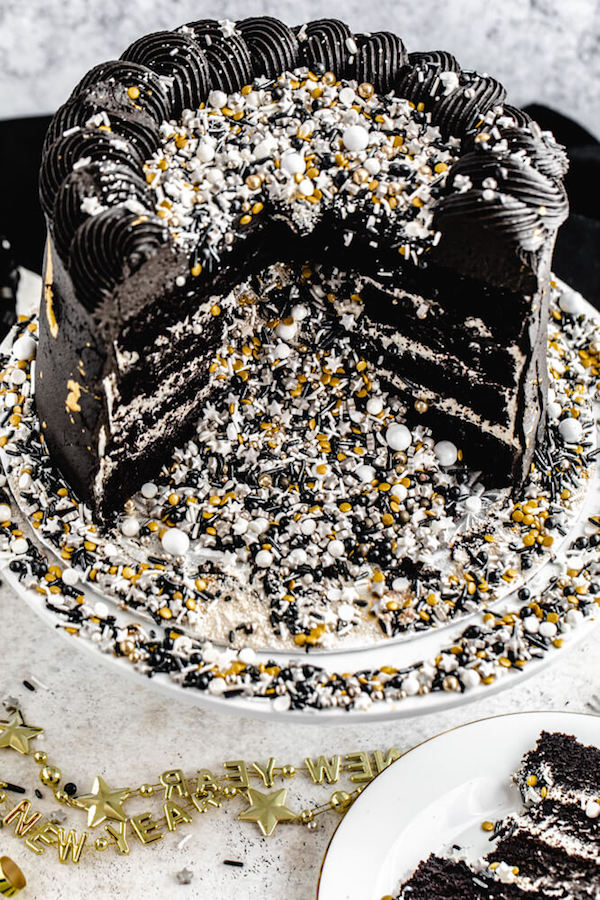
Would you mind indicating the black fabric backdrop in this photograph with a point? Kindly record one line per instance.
(576, 259)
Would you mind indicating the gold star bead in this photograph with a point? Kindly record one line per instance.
(267, 810)
(102, 803)
(16, 734)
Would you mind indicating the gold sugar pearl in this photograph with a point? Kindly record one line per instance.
(421, 406)
(253, 182)
(487, 826)
(366, 90)
(329, 79)
(134, 92)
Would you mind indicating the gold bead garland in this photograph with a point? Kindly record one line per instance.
(181, 798)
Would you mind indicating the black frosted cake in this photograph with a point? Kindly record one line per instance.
(175, 178)
(551, 849)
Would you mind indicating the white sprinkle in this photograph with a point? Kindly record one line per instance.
(217, 686)
(18, 376)
(574, 618)
(531, 624)
(293, 163)
(399, 492)
(24, 347)
(19, 545)
(592, 809)
(130, 526)
(410, 685)
(282, 703)
(259, 525)
(206, 151)
(336, 548)
(306, 187)
(217, 99)
(175, 542)
(180, 280)
(286, 332)
(470, 678)
(247, 656)
(263, 559)
(398, 437)
(308, 526)
(299, 312)
(70, 576)
(548, 629)
(570, 430)
(446, 453)
(149, 490)
(449, 80)
(365, 473)
(355, 138)
(101, 609)
(5, 513)
(374, 406)
(347, 96)
(183, 841)
(351, 46)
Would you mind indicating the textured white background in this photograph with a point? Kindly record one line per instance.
(543, 50)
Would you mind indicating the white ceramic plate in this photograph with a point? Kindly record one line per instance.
(434, 796)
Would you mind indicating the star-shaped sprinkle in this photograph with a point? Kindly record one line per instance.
(102, 803)
(16, 734)
(267, 810)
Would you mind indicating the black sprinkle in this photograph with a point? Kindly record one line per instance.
(233, 862)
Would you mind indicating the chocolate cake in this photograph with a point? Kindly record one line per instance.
(175, 176)
(551, 849)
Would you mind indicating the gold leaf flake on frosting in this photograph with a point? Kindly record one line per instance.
(49, 294)
(72, 401)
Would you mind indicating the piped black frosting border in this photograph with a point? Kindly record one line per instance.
(170, 71)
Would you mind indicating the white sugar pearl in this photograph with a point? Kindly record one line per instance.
(11, 398)
(298, 556)
(101, 609)
(247, 656)
(336, 549)
(372, 165)
(473, 504)
(130, 526)
(218, 99)
(175, 542)
(263, 559)
(531, 624)
(149, 490)
(217, 686)
(293, 164)
(592, 809)
(398, 437)
(240, 526)
(355, 138)
(374, 405)
(571, 302)
(554, 409)
(4, 512)
(571, 430)
(286, 332)
(470, 678)
(347, 96)
(25, 481)
(24, 347)
(548, 629)
(282, 351)
(18, 376)
(308, 526)
(19, 545)
(410, 685)
(306, 187)
(299, 312)
(574, 618)
(399, 492)
(446, 453)
(282, 703)
(70, 576)
(259, 525)
(365, 473)
(206, 152)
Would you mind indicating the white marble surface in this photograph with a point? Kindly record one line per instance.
(543, 50)
(125, 731)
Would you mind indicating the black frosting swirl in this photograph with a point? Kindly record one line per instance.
(378, 59)
(109, 183)
(64, 153)
(506, 194)
(228, 57)
(109, 247)
(322, 45)
(273, 46)
(519, 116)
(115, 77)
(544, 153)
(181, 62)
(459, 111)
(140, 129)
(419, 79)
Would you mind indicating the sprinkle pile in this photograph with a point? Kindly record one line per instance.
(305, 512)
(304, 144)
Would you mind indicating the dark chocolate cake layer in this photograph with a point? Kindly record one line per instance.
(206, 154)
(551, 849)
